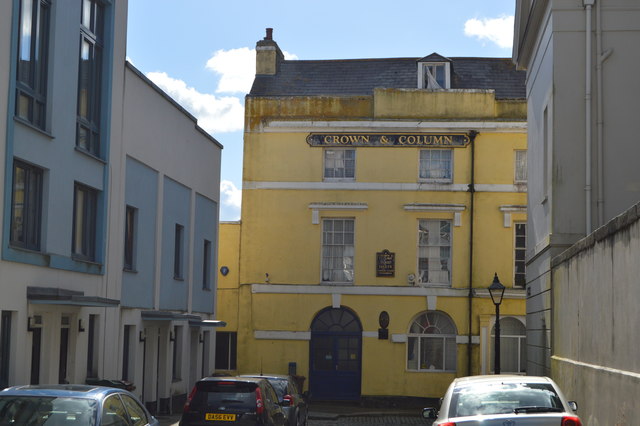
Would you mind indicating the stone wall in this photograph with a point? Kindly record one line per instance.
(596, 290)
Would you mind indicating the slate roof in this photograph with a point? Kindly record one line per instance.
(361, 76)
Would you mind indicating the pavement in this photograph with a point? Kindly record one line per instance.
(380, 412)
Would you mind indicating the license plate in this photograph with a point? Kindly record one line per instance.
(220, 417)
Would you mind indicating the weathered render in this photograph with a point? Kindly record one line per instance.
(280, 294)
(595, 352)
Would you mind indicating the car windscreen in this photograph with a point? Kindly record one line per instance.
(228, 393)
(501, 398)
(36, 410)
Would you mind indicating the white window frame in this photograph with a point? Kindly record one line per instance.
(520, 166)
(425, 161)
(323, 275)
(420, 275)
(421, 74)
(344, 169)
(423, 337)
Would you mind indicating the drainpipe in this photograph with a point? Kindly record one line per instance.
(602, 56)
(588, 4)
(472, 191)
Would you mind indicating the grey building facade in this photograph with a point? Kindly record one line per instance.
(582, 141)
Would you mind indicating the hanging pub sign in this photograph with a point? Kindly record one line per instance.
(450, 140)
(385, 264)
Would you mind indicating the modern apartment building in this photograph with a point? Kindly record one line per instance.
(380, 199)
(109, 198)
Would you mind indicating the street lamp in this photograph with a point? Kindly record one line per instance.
(496, 290)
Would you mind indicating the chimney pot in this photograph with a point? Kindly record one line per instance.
(269, 34)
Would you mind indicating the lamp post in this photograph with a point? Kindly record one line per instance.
(496, 290)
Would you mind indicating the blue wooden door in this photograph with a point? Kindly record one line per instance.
(335, 356)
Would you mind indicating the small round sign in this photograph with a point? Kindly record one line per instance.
(384, 319)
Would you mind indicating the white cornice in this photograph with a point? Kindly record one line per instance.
(380, 186)
(507, 210)
(316, 207)
(456, 209)
(393, 125)
(362, 290)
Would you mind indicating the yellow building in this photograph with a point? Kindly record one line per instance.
(380, 197)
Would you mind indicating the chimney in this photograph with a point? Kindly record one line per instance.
(268, 55)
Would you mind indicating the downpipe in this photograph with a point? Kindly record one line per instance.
(588, 4)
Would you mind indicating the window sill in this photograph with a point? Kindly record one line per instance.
(178, 278)
(326, 179)
(33, 127)
(337, 283)
(77, 258)
(436, 181)
(90, 155)
(132, 271)
(27, 250)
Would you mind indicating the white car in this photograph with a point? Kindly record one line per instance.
(504, 400)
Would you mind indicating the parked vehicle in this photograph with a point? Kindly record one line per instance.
(504, 400)
(81, 405)
(293, 402)
(232, 400)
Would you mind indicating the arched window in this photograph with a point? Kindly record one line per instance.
(432, 343)
(513, 351)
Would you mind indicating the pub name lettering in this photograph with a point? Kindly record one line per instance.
(451, 140)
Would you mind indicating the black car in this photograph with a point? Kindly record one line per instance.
(291, 399)
(232, 400)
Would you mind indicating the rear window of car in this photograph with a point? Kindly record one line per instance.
(23, 410)
(229, 393)
(501, 398)
(280, 386)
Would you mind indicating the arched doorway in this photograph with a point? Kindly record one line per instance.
(513, 350)
(335, 365)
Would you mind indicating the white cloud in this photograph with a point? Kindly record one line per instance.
(231, 195)
(498, 30)
(237, 68)
(214, 114)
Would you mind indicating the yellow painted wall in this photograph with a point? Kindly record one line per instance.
(277, 236)
(227, 291)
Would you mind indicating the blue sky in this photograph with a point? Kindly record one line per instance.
(201, 52)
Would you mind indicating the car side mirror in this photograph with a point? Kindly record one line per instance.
(573, 405)
(429, 413)
(287, 401)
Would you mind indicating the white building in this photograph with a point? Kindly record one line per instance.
(110, 210)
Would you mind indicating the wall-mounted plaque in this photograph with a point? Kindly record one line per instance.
(385, 264)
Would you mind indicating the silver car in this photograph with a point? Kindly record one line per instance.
(77, 405)
(504, 401)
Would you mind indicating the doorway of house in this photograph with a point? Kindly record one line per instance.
(335, 367)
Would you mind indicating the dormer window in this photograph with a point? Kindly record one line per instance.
(434, 76)
(434, 72)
